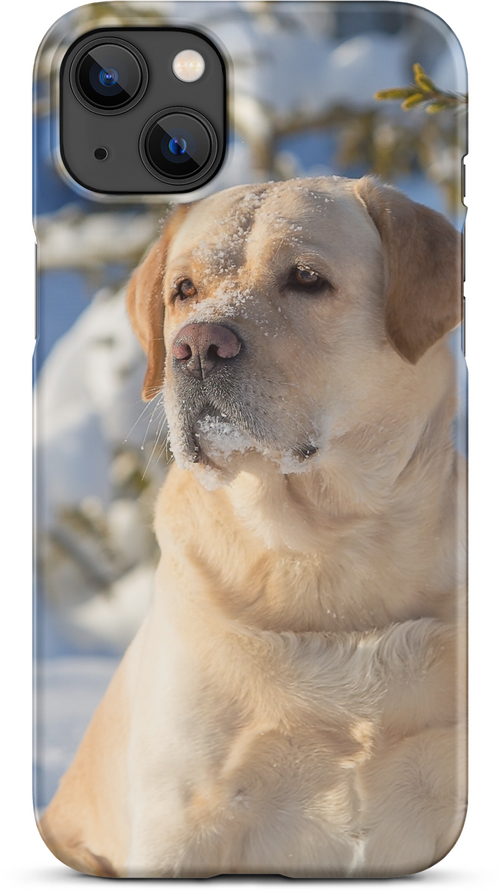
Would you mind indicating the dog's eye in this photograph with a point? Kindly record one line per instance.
(306, 278)
(184, 288)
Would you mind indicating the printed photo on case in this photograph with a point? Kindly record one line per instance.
(250, 455)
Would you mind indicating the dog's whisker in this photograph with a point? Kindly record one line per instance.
(157, 406)
(154, 448)
(151, 406)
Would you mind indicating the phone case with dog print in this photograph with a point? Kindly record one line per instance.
(250, 455)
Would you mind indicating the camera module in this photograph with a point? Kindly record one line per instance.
(142, 111)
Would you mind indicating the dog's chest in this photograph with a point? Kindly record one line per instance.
(277, 794)
(268, 760)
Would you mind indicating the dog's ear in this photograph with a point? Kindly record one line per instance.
(146, 307)
(422, 268)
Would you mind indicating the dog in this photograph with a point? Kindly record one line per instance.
(293, 703)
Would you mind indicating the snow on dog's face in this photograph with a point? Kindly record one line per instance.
(278, 317)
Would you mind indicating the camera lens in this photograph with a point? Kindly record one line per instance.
(178, 144)
(109, 77)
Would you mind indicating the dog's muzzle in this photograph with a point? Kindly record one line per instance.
(215, 409)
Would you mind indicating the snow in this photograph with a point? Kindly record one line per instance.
(67, 691)
(94, 438)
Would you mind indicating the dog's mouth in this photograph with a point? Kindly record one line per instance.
(218, 437)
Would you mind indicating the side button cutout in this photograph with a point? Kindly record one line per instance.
(34, 279)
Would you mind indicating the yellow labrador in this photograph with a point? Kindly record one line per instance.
(293, 701)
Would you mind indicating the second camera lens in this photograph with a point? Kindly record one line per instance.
(178, 145)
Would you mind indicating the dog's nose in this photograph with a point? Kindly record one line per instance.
(202, 346)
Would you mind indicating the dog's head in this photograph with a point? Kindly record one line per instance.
(278, 316)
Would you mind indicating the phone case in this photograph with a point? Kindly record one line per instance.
(250, 445)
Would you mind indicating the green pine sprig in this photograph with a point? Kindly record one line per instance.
(423, 92)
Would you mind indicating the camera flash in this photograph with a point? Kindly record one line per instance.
(188, 65)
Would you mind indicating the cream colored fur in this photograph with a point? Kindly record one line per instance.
(294, 701)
